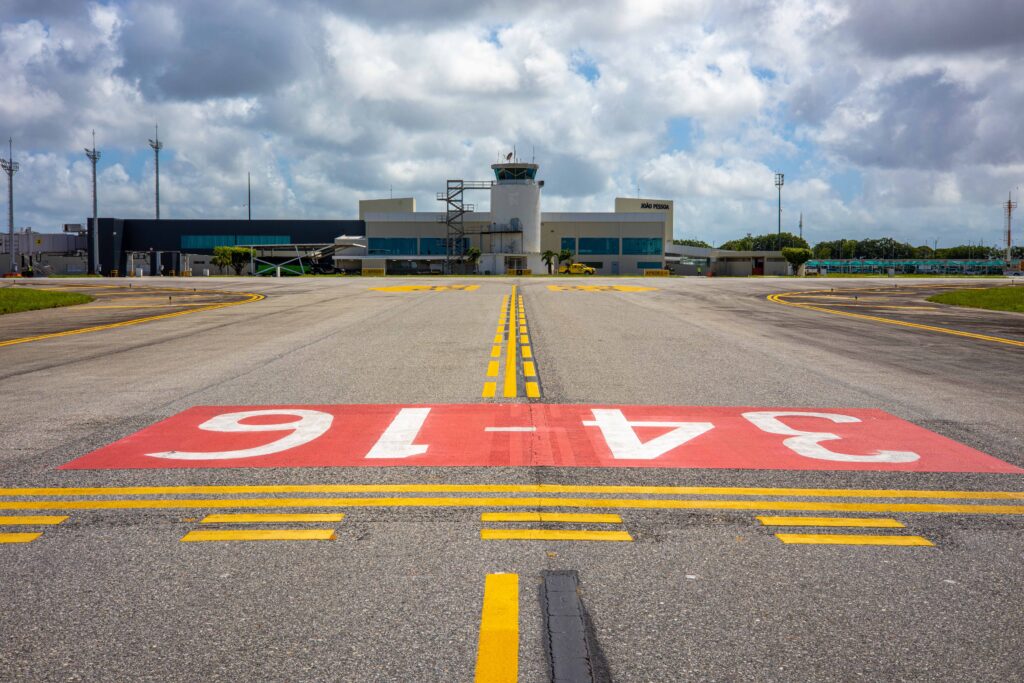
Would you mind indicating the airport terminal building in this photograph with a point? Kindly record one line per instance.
(511, 237)
(390, 236)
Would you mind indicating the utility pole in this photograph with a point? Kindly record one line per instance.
(801, 225)
(779, 178)
(157, 146)
(10, 167)
(94, 238)
(248, 182)
(1008, 208)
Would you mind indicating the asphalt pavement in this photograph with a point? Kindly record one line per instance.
(703, 591)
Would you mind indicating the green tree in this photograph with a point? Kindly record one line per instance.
(797, 256)
(472, 257)
(549, 258)
(766, 242)
(232, 257)
(693, 243)
(564, 256)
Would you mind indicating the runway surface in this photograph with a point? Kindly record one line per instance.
(628, 479)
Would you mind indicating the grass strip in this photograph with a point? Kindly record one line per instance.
(992, 299)
(16, 299)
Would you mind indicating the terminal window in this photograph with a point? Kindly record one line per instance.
(435, 246)
(649, 265)
(212, 241)
(641, 246)
(392, 246)
(599, 245)
(569, 243)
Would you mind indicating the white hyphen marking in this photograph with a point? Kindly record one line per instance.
(510, 429)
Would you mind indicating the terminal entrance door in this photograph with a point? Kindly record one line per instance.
(758, 266)
(515, 263)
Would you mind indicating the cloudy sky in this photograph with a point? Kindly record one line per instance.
(888, 117)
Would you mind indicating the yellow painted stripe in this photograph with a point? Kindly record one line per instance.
(525, 501)
(514, 488)
(500, 330)
(582, 517)
(522, 329)
(529, 369)
(524, 339)
(532, 390)
(19, 537)
(852, 539)
(497, 653)
(32, 519)
(492, 368)
(527, 352)
(552, 535)
(777, 298)
(873, 522)
(498, 338)
(495, 351)
(489, 390)
(259, 535)
(510, 389)
(271, 517)
(125, 323)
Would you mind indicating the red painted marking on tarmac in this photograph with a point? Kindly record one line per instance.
(564, 436)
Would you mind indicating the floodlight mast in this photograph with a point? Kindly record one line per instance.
(779, 178)
(10, 167)
(94, 156)
(157, 146)
(1008, 208)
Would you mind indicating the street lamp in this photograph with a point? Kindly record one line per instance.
(779, 179)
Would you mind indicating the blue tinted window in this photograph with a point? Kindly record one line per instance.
(263, 239)
(599, 245)
(206, 241)
(569, 243)
(653, 265)
(435, 246)
(641, 246)
(392, 246)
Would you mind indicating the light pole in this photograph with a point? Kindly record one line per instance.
(157, 146)
(10, 167)
(779, 178)
(94, 262)
(248, 182)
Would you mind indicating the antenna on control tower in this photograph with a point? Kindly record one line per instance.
(157, 146)
(94, 156)
(10, 167)
(1008, 208)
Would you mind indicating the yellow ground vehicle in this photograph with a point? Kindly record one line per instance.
(576, 269)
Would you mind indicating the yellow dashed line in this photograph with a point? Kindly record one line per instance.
(497, 655)
(527, 352)
(529, 370)
(532, 390)
(19, 537)
(852, 539)
(260, 535)
(553, 535)
(492, 369)
(489, 389)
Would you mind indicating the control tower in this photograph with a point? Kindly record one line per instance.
(515, 205)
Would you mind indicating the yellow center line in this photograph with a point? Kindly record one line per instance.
(32, 520)
(510, 390)
(526, 501)
(272, 517)
(511, 488)
(527, 352)
(872, 522)
(553, 535)
(492, 368)
(497, 655)
(853, 539)
(259, 535)
(19, 537)
(576, 517)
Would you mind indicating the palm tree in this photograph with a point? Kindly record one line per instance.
(472, 256)
(564, 255)
(549, 257)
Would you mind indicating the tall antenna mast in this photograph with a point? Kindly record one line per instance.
(157, 146)
(248, 184)
(801, 225)
(10, 167)
(94, 238)
(1008, 208)
(780, 179)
